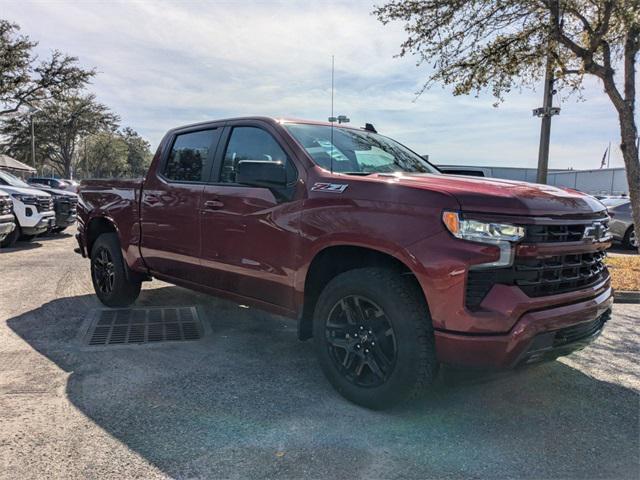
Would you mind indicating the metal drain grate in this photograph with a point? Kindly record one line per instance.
(144, 325)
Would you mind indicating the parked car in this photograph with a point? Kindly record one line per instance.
(65, 204)
(621, 221)
(49, 182)
(391, 267)
(7, 220)
(73, 185)
(33, 209)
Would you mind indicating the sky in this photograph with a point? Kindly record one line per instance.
(163, 64)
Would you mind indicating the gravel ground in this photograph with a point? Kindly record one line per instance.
(249, 401)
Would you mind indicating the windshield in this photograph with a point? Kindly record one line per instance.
(8, 179)
(356, 152)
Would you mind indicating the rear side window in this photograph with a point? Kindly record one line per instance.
(190, 156)
(251, 143)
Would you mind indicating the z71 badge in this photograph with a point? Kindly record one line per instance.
(329, 187)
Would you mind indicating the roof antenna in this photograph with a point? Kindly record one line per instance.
(332, 118)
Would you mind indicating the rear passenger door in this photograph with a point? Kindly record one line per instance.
(171, 200)
(249, 237)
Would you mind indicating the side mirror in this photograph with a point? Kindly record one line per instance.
(261, 173)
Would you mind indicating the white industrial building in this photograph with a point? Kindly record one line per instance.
(612, 181)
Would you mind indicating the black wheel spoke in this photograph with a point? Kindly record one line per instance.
(339, 342)
(375, 368)
(359, 335)
(348, 359)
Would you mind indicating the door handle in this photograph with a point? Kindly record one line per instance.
(213, 204)
(151, 199)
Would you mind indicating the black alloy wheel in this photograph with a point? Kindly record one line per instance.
(104, 271)
(361, 341)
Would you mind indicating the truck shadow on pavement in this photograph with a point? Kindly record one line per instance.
(250, 401)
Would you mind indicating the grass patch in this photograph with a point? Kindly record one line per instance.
(625, 272)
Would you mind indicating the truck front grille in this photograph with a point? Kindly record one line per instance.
(6, 206)
(65, 205)
(549, 274)
(44, 204)
(562, 233)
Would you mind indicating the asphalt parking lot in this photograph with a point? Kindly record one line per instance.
(249, 400)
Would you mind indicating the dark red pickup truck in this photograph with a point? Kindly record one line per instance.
(391, 267)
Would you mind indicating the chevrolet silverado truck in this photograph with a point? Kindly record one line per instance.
(7, 220)
(65, 205)
(391, 267)
(32, 209)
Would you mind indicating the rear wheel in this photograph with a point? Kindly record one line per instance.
(111, 281)
(630, 240)
(374, 338)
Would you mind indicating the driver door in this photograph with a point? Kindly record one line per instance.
(249, 237)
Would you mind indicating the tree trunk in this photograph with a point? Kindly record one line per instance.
(629, 147)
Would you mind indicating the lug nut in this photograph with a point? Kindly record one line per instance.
(366, 350)
(373, 344)
(361, 327)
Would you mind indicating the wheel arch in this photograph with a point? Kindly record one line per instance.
(335, 259)
(96, 227)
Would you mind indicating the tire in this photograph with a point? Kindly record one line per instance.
(396, 341)
(11, 239)
(109, 275)
(630, 241)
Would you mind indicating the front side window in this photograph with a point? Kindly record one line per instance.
(189, 156)
(250, 143)
(347, 150)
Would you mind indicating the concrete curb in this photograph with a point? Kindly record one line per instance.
(625, 296)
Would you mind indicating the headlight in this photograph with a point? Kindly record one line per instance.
(501, 235)
(484, 232)
(25, 198)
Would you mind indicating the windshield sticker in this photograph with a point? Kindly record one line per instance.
(329, 187)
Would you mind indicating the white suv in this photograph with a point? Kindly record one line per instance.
(33, 209)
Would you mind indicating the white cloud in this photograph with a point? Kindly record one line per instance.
(164, 64)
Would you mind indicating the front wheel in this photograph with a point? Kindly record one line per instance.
(11, 239)
(111, 282)
(373, 337)
(630, 239)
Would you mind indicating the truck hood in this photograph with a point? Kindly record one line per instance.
(491, 195)
(56, 192)
(25, 191)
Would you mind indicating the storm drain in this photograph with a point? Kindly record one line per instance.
(144, 325)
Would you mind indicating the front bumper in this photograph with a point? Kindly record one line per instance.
(45, 223)
(536, 336)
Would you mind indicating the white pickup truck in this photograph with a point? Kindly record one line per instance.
(33, 209)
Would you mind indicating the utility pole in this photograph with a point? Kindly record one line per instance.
(546, 112)
(33, 144)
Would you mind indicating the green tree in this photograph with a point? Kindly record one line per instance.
(60, 125)
(24, 80)
(106, 155)
(503, 44)
(138, 152)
